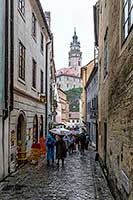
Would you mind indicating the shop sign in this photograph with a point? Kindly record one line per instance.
(125, 181)
(42, 98)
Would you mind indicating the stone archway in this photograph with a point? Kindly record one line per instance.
(41, 126)
(35, 128)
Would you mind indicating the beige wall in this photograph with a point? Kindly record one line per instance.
(64, 106)
(27, 99)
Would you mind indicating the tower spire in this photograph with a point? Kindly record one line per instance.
(74, 30)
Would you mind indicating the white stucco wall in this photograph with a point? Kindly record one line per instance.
(68, 82)
(26, 99)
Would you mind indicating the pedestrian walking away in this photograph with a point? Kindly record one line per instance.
(50, 144)
(82, 141)
(60, 150)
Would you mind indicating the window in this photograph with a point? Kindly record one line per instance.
(21, 6)
(105, 70)
(33, 73)
(42, 43)
(33, 25)
(67, 85)
(41, 86)
(79, 63)
(21, 61)
(127, 17)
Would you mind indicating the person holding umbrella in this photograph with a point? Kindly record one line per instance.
(60, 149)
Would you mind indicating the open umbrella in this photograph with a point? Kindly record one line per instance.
(55, 131)
(65, 131)
(60, 131)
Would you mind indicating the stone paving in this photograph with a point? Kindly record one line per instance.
(80, 179)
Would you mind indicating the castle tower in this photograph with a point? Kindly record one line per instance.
(75, 55)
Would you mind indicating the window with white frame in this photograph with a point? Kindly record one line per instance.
(42, 42)
(127, 18)
(34, 73)
(21, 61)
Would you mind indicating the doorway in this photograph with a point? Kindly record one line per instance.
(41, 126)
(105, 143)
(35, 129)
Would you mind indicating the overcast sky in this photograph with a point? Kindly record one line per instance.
(65, 15)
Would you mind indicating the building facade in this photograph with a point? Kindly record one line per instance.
(5, 56)
(62, 108)
(32, 52)
(115, 144)
(85, 73)
(75, 55)
(92, 105)
(74, 120)
(68, 78)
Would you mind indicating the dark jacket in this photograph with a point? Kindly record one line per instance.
(60, 149)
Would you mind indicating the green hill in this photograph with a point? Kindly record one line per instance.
(73, 97)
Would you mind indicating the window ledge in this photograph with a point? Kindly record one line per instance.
(34, 37)
(126, 41)
(104, 79)
(21, 81)
(42, 53)
(34, 89)
(21, 14)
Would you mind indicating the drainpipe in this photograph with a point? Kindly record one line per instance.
(6, 81)
(11, 11)
(11, 52)
(46, 88)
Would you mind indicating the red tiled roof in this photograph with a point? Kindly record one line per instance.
(67, 71)
(74, 115)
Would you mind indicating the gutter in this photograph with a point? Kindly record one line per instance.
(11, 53)
(46, 88)
(6, 71)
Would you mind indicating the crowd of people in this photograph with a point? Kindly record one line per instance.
(65, 144)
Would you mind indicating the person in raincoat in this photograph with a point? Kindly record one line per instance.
(50, 145)
(60, 150)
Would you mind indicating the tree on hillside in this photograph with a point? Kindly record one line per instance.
(73, 97)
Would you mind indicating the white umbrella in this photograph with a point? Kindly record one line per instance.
(55, 131)
(65, 131)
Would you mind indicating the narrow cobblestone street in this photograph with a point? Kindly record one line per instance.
(80, 179)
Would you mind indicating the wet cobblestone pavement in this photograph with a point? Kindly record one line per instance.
(80, 179)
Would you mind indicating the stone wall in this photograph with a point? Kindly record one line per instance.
(116, 103)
